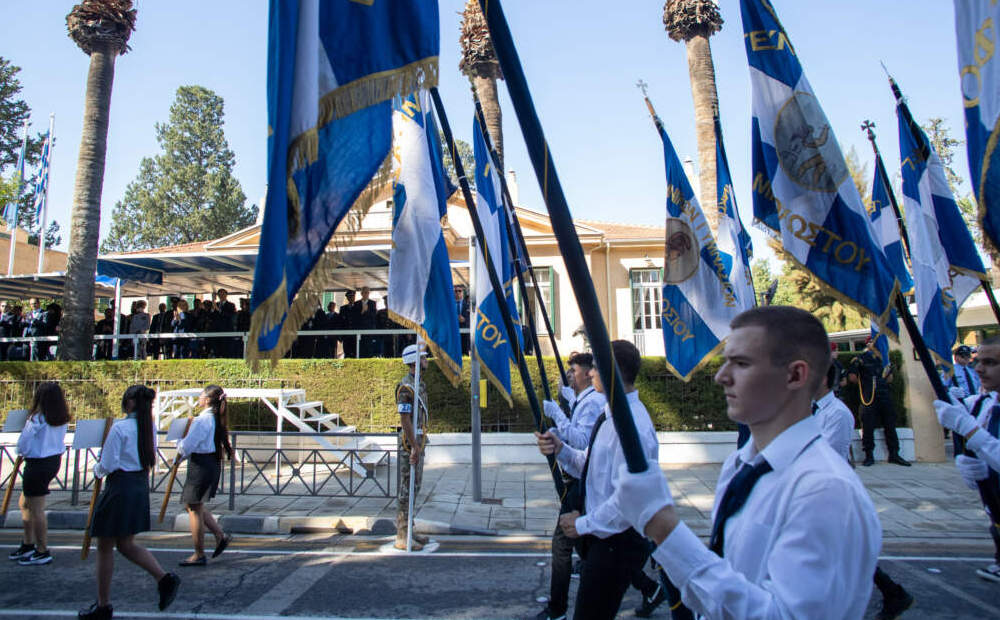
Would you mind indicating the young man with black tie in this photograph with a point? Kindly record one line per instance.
(794, 532)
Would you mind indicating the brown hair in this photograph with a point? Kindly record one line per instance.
(582, 359)
(792, 334)
(217, 401)
(50, 401)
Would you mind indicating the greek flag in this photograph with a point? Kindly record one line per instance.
(698, 299)
(42, 184)
(882, 344)
(946, 265)
(887, 228)
(333, 69)
(420, 287)
(492, 345)
(10, 209)
(735, 247)
(977, 26)
(806, 196)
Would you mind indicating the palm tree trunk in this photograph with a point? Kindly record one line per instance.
(486, 88)
(706, 106)
(77, 325)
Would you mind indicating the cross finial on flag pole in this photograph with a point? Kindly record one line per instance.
(868, 126)
(642, 86)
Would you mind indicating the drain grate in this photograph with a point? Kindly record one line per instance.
(492, 500)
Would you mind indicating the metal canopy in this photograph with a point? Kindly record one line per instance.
(50, 286)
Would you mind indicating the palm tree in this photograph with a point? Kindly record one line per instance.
(101, 28)
(694, 21)
(479, 63)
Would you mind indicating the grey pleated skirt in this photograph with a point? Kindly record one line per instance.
(123, 506)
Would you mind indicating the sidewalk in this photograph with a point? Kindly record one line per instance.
(923, 502)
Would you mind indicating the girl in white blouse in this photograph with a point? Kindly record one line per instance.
(204, 444)
(41, 444)
(122, 510)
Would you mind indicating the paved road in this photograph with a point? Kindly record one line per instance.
(310, 576)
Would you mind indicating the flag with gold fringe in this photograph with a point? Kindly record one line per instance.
(333, 69)
(420, 286)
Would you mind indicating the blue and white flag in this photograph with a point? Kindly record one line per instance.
(946, 264)
(807, 198)
(977, 26)
(333, 69)
(42, 184)
(881, 344)
(698, 299)
(492, 345)
(421, 293)
(10, 209)
(735, 247)
(886, 227)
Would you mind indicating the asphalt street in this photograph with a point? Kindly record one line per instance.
(333, 576)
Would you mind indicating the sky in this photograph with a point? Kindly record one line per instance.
(582, 59)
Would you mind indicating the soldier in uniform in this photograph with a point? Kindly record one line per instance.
(411, 450)
(876, 403)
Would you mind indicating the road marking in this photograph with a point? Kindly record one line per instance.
(993, 612)
(284, 593)
(55, 613)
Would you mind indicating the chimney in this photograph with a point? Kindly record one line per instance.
(512, 186)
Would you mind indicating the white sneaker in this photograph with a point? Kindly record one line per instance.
(991, 572)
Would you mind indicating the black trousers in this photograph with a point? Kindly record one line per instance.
(609, 564)
(879, 413)
(562, 569)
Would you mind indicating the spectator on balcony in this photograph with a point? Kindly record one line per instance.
(105, 327)
(138, 323)
(242, 323)
(34, 325)
(181, 324)
(389, 343)
(333, 321)
(7, 328)
(367, 319)
(156, 326)
(350, 319)
(224, 320)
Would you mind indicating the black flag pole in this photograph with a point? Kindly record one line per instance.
(498, 289)
(516, 237)
(988, 494)
(565, 231)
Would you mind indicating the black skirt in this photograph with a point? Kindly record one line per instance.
(38, 473)
(123, 506)
(202, 480)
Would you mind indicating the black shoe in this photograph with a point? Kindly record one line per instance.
(96, 612)
(898, 460)
(201, 561)
(219, 548)
(21, 552)
(36, 559)
(167, 586)
(649, 604)
(546, 614)
(894, 606)
(869, 461)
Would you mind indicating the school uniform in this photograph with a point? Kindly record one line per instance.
(965, 378)
(123, 507)
(836, 423)
(803, 545)
(204, 463)
(611, 549)
(42, 447)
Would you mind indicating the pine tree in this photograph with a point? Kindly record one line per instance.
(188, 192)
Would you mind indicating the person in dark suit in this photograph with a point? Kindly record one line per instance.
(387, 343)
(333, 321)
(367, 319)
(105, 327)
(34, 325)
(6, 328)
(350, 320)
(224, 320)
(155, 327)
(242, 323)
(181, 324)
(462, 307)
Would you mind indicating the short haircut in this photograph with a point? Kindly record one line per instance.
(628, 358)
(791, 334)
(582, 359)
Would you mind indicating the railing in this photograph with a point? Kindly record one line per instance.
(255, 470)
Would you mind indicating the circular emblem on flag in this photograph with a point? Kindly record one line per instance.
(681, 254)
(807, 149)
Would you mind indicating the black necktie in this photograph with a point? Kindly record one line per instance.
(993, 427)
(815, 407)
(590, 449)
(733, 499)
(968, 381)
(578, 399)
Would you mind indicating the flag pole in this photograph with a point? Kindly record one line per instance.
(868, 127)
(565, 231)
(45, 198)
(12, 225)
(498, 290)
(417, 434)
(514, 228)
(517, 254)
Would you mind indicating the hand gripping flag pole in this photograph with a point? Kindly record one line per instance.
(508, 322)
(520, 248)
(562, 226)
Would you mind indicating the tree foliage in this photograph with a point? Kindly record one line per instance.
(465, 153)
(188, 192)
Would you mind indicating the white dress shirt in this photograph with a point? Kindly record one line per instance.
(602, 518)
(986, 446)
(585, 409)
(804, 545)
(121, 449)
(836, 424)
(200, 438)
(38, 440)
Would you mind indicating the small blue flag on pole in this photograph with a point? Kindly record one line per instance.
(735, 247)
(976, 26)
(492, 345)
(42, 184)
(946, 264)
(698, 299)
(10, 209)
(803, 192)
(333, 69)
(420, 286)
(886, 228)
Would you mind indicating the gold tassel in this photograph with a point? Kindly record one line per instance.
(449, 367)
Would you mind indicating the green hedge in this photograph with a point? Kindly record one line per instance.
(361, 391)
